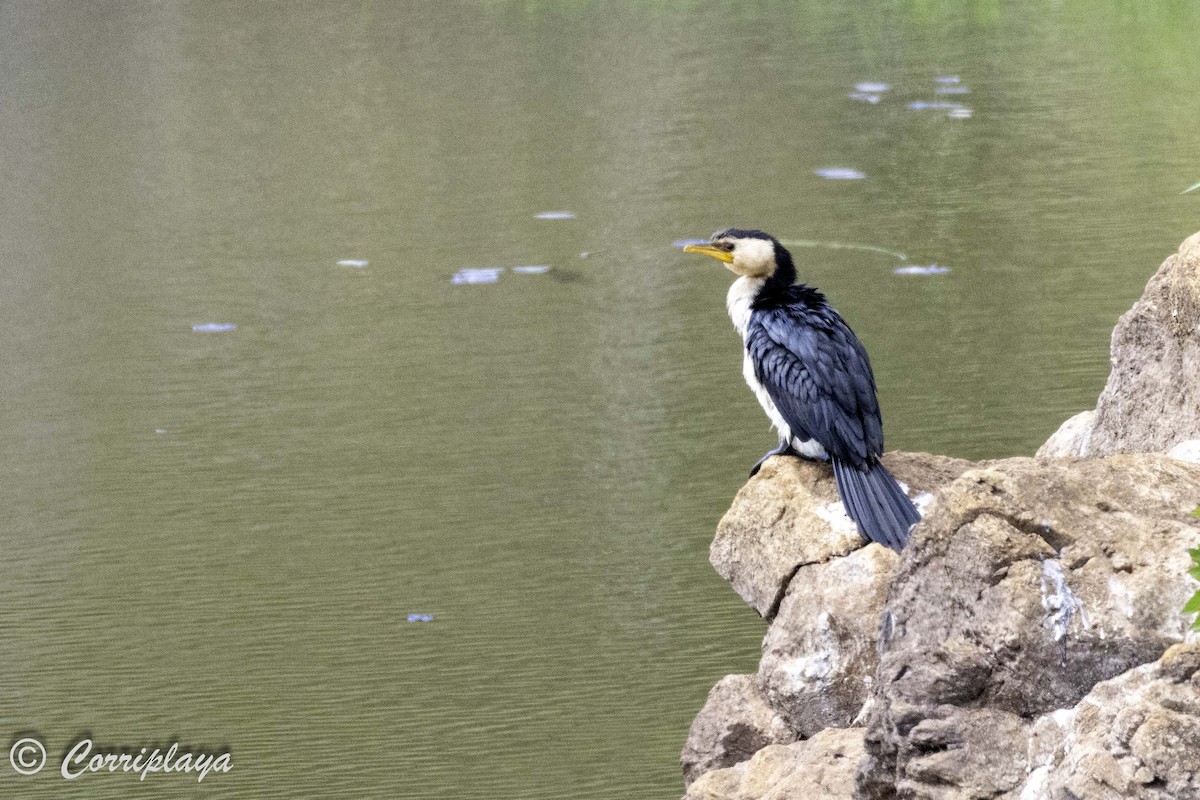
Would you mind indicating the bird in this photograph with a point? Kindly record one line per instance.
(812, 376)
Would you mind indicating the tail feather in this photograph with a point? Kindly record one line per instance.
(876, 503)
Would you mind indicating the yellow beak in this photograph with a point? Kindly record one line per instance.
(709, 250)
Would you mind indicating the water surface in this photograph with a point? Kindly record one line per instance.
(383, 532)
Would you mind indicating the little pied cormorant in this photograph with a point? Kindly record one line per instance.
(813, 378)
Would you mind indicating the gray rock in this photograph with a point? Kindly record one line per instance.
(1186, 451)
(734, 724)
(789, 516)
(1152, 399)
(820, 768)
(821, 652)
(767, 534)
(1027, 583)
(961, 759)
(1135, 736)
(1071, 438)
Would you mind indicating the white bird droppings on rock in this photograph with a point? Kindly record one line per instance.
(1059, 600)
(834, 514)
(922, 501)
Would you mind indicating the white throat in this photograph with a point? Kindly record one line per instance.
(741, 295)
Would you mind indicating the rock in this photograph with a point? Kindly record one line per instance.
(1026, 584)
(734, 724)
(789, 515)
(820, 768)
(786, 516)
(1126, 738)
(1071, 438)
(1152, 399)
(1186, 451)
(821, 652)
(961, 753)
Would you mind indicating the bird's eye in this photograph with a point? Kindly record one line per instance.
(726, 246)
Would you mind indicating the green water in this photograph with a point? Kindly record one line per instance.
(217, 537)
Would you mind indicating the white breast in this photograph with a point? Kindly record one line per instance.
(741, 295)
(738, 301)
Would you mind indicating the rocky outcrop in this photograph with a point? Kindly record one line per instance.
(1135, 737)
(820, 767)
(1152, 399)
(1029, 583)
(789, 516)
(789, 549)
(735, 723)
(820, 655)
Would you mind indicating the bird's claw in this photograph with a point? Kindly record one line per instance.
(782, 450)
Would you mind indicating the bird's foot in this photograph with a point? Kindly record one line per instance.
(783, 450)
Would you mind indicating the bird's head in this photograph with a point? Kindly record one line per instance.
(753, 254)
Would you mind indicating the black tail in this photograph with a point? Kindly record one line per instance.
(876, 503)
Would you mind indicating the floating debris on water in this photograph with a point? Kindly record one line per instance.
(353, 262)
(554, 215)
(160, 430)
(946, 79)
(1191, 188)
(932, 105)
(953, 110)
(492, 274)
(865, 97)
(932, 269)
(214, 327)
(954, 89)
(839, 174)
(872, 87)
(486, 275)
(681, 243)
(420, 617)
(584, 254)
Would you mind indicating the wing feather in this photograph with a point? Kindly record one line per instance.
(819, 377)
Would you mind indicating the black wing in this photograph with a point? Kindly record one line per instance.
(819, 377)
